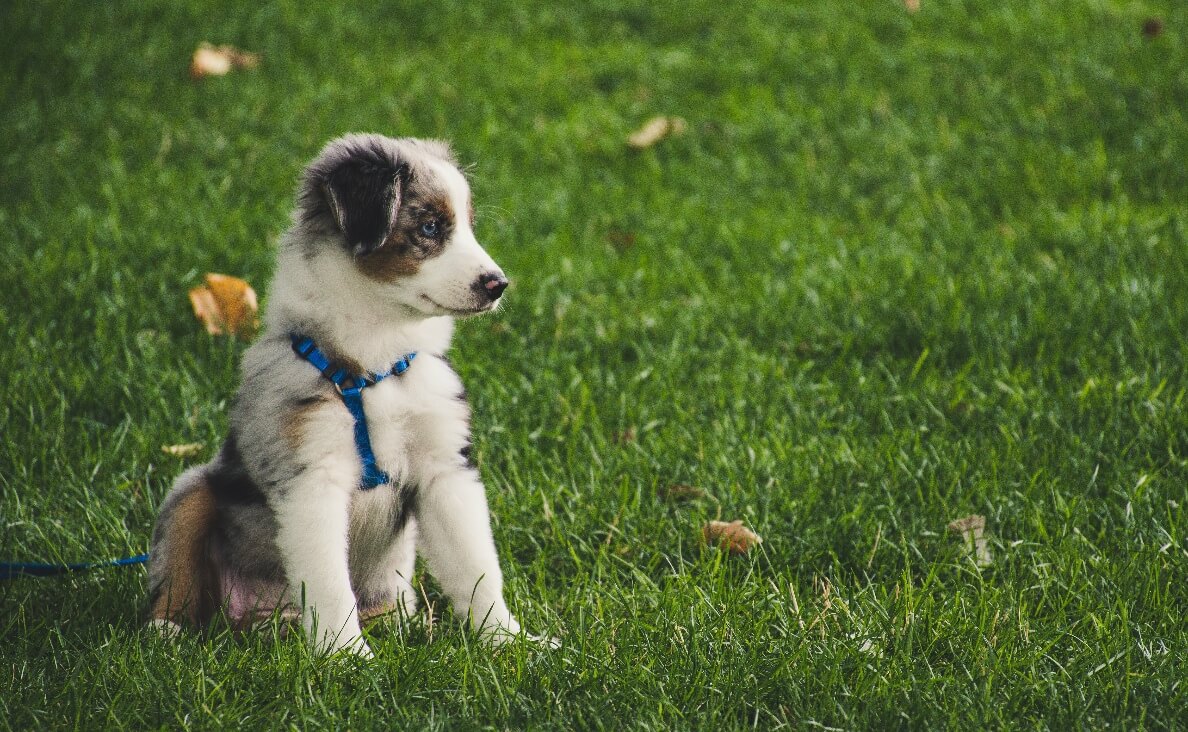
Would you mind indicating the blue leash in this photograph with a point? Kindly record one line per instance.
(352, 397)
(12, 570)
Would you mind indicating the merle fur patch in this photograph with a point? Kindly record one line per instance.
(228, 477)
(357, 187)
(362, 188)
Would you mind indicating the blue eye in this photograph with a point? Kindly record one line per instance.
(430, 229)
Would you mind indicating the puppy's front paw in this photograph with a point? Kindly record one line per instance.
(358, 648)
(499, 635)
(348, 641)
(355, 646)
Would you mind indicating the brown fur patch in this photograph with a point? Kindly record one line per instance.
(190, 589)
(376, 612)
(293, 431)
(390, 262)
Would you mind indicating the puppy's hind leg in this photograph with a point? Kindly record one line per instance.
(386, 588)
(182, 577)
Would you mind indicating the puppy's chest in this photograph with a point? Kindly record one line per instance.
(414, 420)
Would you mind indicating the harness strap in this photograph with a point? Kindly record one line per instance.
(372, 475)
(352, 397)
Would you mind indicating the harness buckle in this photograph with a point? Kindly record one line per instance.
(351, 390)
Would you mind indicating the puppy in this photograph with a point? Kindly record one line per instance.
(294, 514)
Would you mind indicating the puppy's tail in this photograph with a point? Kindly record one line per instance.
(182, 573)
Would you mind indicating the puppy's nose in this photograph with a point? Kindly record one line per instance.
(492, 285)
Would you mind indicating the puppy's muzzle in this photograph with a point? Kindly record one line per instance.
(491, 285)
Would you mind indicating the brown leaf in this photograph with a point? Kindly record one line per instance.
(680, 492)
(206, 310)
(971, 529)
(731, 536)
(625, 437)
(184, 450)
(211, 60)
(655, 130)
(621, 238)
(968, 523)
(225, 305)
(912, 5)
(1153, 27)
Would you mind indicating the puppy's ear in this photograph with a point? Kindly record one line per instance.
(363, 196)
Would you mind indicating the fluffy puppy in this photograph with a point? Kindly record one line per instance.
(379, 260)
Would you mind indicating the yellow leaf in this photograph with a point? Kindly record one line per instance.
(184, 450)
(730, 535)
(655, 130)
(211, 60)
(225, 305)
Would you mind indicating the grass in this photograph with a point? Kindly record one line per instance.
(901, 268)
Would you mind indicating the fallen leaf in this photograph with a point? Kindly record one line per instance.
(655, 130)
(730, 535)
(912, 5)
(680, 492)
(206, 309)
(211, 60)
(971, 530)
(225, 305)
(1153, 27)
(621, 238)
(184, 450)
(625, 437)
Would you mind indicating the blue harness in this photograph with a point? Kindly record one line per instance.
(352, 397)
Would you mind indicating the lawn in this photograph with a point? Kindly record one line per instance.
(900, 268)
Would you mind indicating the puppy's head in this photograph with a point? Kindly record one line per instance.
(401, 210)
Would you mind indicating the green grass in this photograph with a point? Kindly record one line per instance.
(901, 268)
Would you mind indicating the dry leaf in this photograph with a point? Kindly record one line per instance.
(1153, 27)
(184, 450)
(218, 60)
(912, 5)
(625, 437)
(655, 130)
(225, 305)
(680, 492)
(971, 529)
(206, 309)
(732, 536)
